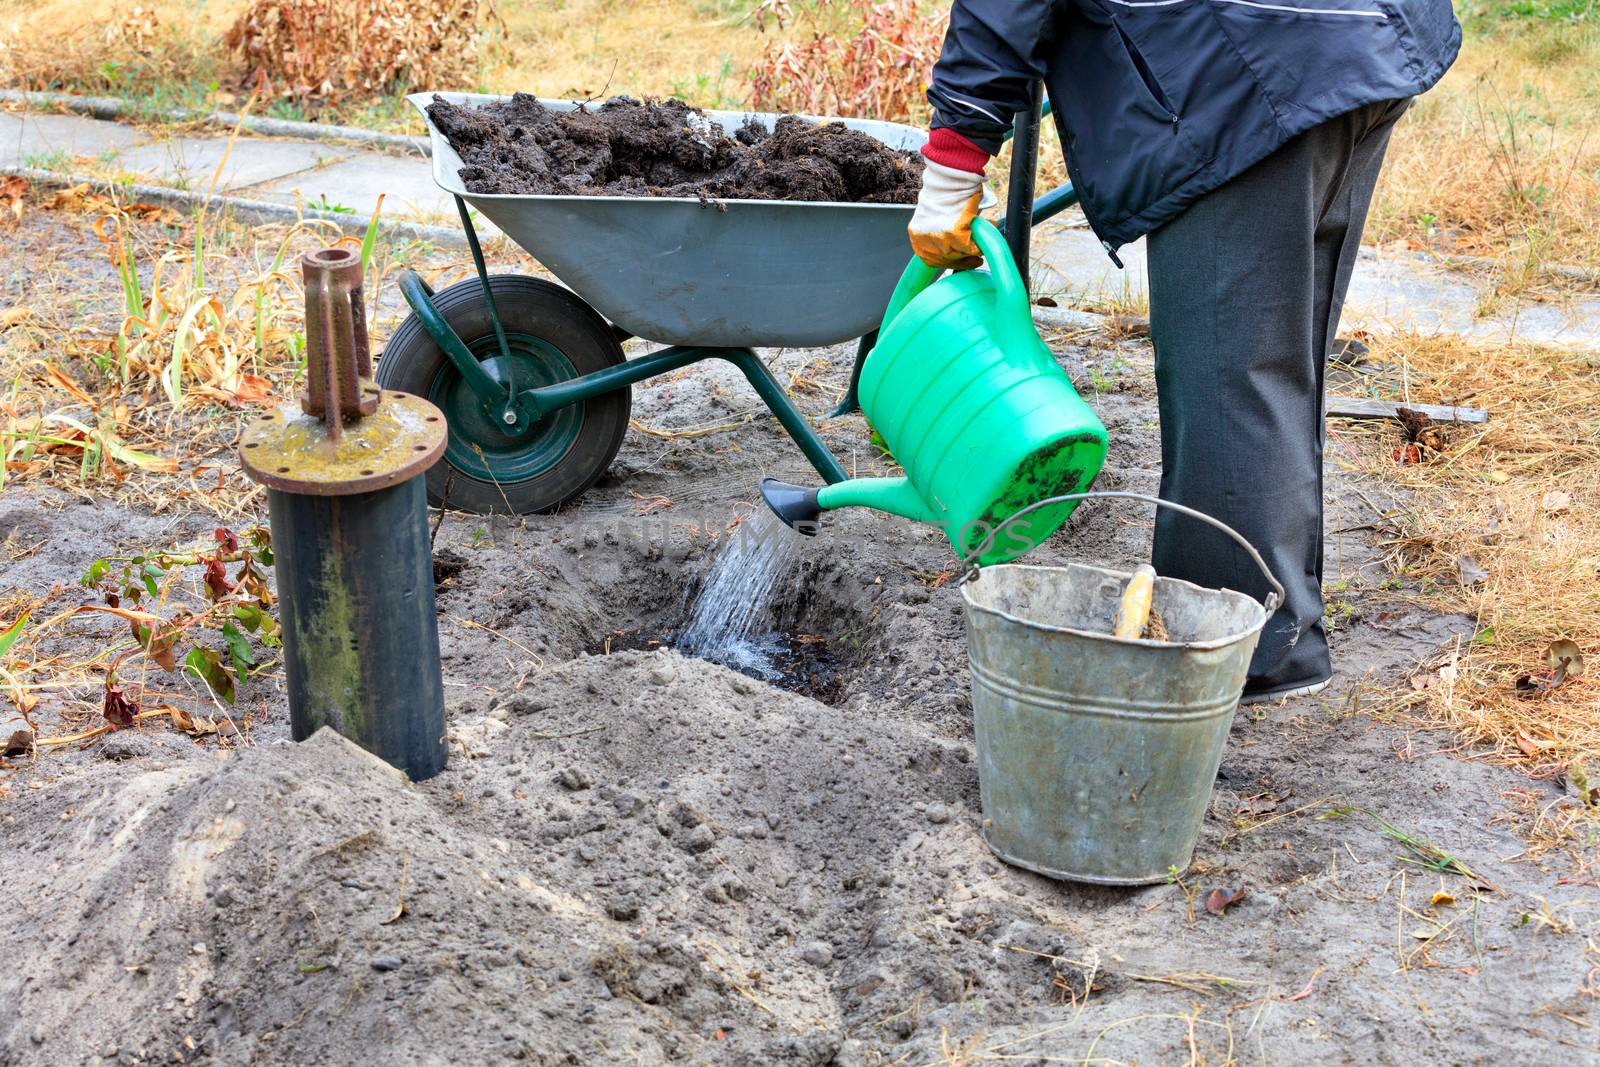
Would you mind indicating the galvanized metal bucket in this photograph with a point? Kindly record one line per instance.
(1097, 754)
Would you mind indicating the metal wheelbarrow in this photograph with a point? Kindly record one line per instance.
(531, 375)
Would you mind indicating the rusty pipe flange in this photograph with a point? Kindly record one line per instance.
(291, 451)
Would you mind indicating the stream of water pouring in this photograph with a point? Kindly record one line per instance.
(732, 619)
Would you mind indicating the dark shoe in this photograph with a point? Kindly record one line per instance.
(1282, 692)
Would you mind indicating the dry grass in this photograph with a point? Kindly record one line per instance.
(206, 317)
(1502, 159)
(140, 51)
(698, 50)
(1518, 498)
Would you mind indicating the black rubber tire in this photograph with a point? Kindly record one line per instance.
(412, 362)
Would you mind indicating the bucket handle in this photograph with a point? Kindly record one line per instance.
(1273, 598)
(1011, 296)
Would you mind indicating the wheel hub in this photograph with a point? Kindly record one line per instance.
(502, 443)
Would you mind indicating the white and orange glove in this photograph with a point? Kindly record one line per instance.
(952, 189)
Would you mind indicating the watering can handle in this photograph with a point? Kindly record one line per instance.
(1011, 296)
(1273, 599)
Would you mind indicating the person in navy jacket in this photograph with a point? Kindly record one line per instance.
(1243, 139)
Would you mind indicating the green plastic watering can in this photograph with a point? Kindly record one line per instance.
(974, 407)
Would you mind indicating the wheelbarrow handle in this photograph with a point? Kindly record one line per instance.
(1272, 601)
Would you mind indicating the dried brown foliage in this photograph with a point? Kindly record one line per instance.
(327, 51)
(127, 52)
(847, 57)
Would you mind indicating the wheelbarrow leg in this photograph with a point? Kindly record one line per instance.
(419, 294)
(851, 402)
(483, 279)
(498, 399)
(777, 401)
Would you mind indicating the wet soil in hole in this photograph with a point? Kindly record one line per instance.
(446, 565)
(625, 147)
(804, 663)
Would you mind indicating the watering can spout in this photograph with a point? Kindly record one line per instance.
(802, 508)
(897, 496)
(795, 504)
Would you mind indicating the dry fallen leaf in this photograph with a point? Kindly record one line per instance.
(1426, 933)
(73, 198)
(252, 389)
(1218, 899)
(12, 190)
(1260, 804)
(193, 725)
(16, 734)
(1529, 746)
(1565, 658)
(1441, 899)
(1555, 501)
(1470, 571)
(60, 378)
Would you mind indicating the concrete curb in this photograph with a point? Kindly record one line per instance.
(239, 207)
(1588, 275)
(108, 108)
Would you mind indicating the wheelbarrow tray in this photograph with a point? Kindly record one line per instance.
(727, 273)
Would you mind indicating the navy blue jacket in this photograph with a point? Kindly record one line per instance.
(1160, 101)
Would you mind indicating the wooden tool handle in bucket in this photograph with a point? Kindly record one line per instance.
(1134, 614)
(1273, 599)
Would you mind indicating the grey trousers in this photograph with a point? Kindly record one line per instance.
(1246, 287)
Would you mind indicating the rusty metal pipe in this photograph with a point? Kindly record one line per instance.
(349, 528)
(360, 633)
(338, 355)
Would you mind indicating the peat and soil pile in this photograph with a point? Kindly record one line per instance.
(625, 147)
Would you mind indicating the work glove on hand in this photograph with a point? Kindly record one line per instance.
(941, 227)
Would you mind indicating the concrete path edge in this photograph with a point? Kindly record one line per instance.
(110, 108)
(242, 208)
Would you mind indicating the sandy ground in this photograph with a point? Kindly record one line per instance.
(641, 857)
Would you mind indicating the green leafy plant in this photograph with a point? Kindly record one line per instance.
(212, 630)
(52, 160)
(322, 203)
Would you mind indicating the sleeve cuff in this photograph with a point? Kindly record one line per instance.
(950, 149)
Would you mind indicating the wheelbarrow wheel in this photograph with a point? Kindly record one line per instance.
(553, 336)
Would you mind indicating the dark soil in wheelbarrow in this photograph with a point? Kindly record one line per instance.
(627, 147)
